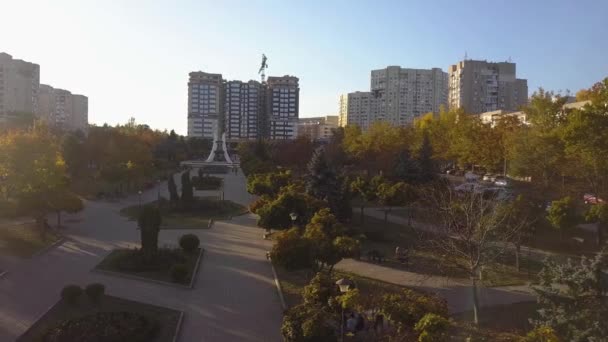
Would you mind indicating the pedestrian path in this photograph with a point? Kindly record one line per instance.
(234, 298)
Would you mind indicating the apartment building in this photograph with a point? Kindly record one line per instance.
(318, 128)
(283, 96)
(243, 108)
(397, 95)
(61, 108)
(481, 86)
(204, 104)
(19, 86)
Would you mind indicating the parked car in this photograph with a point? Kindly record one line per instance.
(592, 199)
(471, 177)
(501, 181)
(488, 177)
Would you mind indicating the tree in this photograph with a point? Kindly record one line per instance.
(173, 195)
(276, 213)
(432, 328)
(363, 189)
(407, 169)
(268, 183)
(562, 215)
(425, 160)
(291, 251)
(473, 229)
(397, 194)
(523, 214)
(149, 222)
(187, 191)
(573, 299)
(407, 308)
(598, 213)
(63, 200)
(321, 180)
(328, 243)
(309, 323)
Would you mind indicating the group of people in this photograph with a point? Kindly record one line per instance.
(365, 323)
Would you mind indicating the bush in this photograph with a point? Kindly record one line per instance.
(105, 326)
(179, 273)
(291, 251)
(71, 293)
(432, 328)
(95, 291)
(189, 242)
(541, 334)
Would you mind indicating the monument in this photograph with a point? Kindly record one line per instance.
(219, 152)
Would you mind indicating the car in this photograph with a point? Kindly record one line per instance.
(592, 199)
(501, 181)
(488, 177)
(471, 177)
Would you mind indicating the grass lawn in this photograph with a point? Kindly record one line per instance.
(127, 261)
(424, 259)
(166, 319)
(198, 218)
(24, 240)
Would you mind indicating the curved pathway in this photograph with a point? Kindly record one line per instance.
(234, 298)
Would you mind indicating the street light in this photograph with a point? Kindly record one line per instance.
(294, 217)
(344, 285)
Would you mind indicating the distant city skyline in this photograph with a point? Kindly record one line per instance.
(132, 59)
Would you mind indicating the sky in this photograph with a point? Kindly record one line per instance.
(132, 58)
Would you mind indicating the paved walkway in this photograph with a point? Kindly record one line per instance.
(457, 292)
(234, 298)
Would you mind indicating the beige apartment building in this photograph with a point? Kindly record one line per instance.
(204, 104)
(283, 103)
(61, 108)
(397, 95)
(318, 128)
(481, 86)
(19, 86)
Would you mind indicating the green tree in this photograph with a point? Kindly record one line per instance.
(173, 195)
(63, 200)
(425, 160)
(395, 194)
(268, 183)
(276, 214)
(321, 180)
(149, 222)
(309, 323)
(407, 169)
(187, 190)
(432, 328)
(363, 188)
(291, 251)
(562, 214)
(572, 297)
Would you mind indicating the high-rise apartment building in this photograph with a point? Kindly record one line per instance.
(245, 110)
(397, 95)
(283, 107)
(61, 108)
(204, 104)
(317, 128)
(19, 84)
(481, 86)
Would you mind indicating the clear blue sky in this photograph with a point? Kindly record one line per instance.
(132, 58)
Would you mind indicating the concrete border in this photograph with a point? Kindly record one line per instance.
(46, 249)
(38, 318)
(155, 281)
(178, 327)
(278, 285)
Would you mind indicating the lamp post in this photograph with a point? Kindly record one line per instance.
(344, 285)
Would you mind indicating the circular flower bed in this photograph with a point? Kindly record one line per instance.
(104, 327)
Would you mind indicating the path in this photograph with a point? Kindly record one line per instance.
(234, 298)
(457, 292)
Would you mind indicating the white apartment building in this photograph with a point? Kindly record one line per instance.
(61, 108)
(283, 107)
(19, 85)
(242, 108)
(481, 86)
(204, 104)
(318, 128)
(397, 95)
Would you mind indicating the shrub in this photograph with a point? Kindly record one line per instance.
(432, 328)
(409, 307)
(189, 242)
(291, 251)
(179, 273)
(541, 334)
(71, 293)
(105, 326)
(95, 291)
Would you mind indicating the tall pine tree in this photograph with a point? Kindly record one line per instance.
(323, 183)
(425, 159)
(173, 195)
(407, 168)
(187, 192)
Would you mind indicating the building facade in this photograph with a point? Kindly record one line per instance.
(318, 128)
(19, 86)
(481, 86)
(397, 95)
(61, 108)
(245, 110)
(283, 103)
(204, 104)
